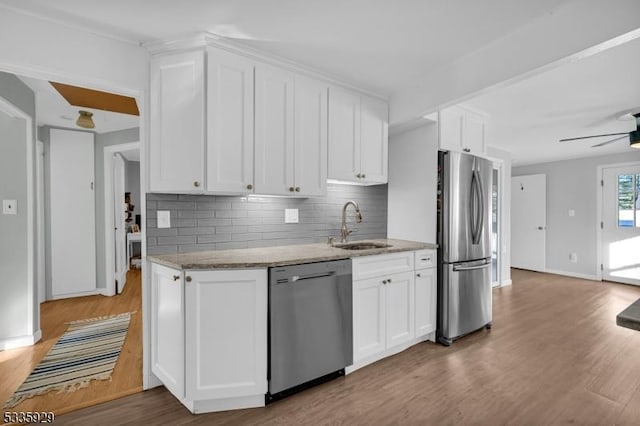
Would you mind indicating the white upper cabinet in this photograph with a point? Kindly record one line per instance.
(358, 137)
(310, 174)
(274, 138)
(291, 133)
(374, 139)
(176, 147)
(229, 122)
(462, 130)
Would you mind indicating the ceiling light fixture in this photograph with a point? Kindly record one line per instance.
(84, 120)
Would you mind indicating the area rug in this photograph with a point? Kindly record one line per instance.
(87, 351)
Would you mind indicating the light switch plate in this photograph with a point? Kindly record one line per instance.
(164, 219)
(290, 215)
(9, 207)
(572, 213)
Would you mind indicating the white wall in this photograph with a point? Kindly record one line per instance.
(573, 185)
(504, 215)
(413, 177)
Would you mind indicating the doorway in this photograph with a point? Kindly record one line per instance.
(620, 223)
(528, 222)
(495, 227)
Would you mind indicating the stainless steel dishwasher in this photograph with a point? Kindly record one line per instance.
(310, 325)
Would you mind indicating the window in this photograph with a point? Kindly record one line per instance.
(628, 203)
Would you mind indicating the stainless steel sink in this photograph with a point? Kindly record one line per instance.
(362, 245)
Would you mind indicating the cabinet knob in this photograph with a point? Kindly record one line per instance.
(297, 189)
(196, 184)
(358, 175)
(249, 186)
(188, 279)
(384, 281)
(418, 275)
(176, 277)
(466, 150)
(291, 189)
(364, 176)
(389, 280)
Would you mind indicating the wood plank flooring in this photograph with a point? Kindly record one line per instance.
(554, 356)
(17, 364)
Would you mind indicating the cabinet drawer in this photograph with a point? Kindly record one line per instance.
(382, 264)
(425, 259)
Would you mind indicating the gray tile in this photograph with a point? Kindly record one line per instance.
(188, 248)
(195, 214)
(231, 245)
(161, 197)
(197, 231)
(176, 240)
(213, 238)
(230, 213)
(162, 250)
(176, 205)
(214, 222)
(162, 232)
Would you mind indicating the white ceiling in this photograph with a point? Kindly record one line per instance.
(54, 110)
(385, 46)
(379, 45)
(579, 99)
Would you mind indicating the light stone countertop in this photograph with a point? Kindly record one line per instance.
(278, 256)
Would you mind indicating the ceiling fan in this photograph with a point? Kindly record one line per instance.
(634, 136)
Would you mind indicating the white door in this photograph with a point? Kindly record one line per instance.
(274, 131)
(528, 222)
(344, 135)
(400, 297)
(176, 147)
(73, 247)
(119, 226)
(374, 140)
(369, 318)
(40, 242)
(621, 224)
(229, 122)
(226, 333)
(425, 301)
(310, 136)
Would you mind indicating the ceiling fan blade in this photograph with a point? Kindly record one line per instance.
(593, 136)
(609, 141)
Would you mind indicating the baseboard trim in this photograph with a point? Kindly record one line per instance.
(505, 283)
(97, 291)
(573, 274)
(106, 292)
(20, 341)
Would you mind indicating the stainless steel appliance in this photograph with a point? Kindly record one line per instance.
(310, 325)
(464, 241)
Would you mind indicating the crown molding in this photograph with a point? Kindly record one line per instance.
(202, 40)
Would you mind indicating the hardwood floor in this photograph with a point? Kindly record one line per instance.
(17, 364)
(554, 356)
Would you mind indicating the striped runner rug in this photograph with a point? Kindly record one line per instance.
(87, 351)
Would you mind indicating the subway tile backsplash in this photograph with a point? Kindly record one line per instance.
(216, 222)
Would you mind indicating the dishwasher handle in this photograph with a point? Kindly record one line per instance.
(296, 278)
(484, 265)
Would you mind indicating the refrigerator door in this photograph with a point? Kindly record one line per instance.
(466, 298)
(466, 207)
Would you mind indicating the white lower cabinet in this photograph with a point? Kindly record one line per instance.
(394, 309)
(209, 336)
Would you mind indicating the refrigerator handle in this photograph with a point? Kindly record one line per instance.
(471, 268)
(475, 208)
(480, 212)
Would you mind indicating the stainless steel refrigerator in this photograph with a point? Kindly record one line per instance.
(464, 239)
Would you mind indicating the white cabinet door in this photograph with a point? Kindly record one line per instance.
(226, 333)
(310, 137)
(344, 135)
(400, 323)
(374, 137)
(425, 301)
(474, 134)
(167, 328)
(369, 318)
(229, 123)
(274, 127)
(450, 125)
(176, 146)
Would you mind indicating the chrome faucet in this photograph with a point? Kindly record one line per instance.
(344, 231)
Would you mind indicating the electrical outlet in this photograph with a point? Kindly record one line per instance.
(164, 219)
(572, 213)
(573, 257)
(290, 215)
(9, 207)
